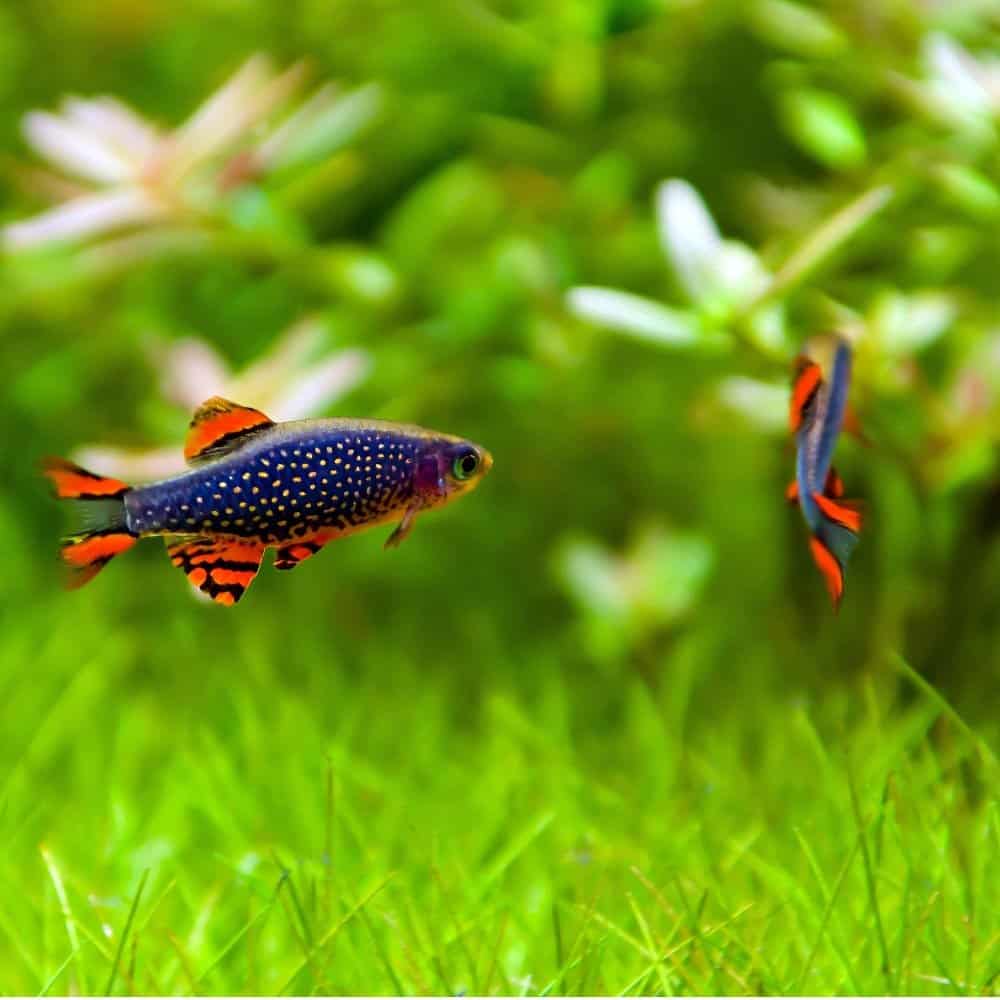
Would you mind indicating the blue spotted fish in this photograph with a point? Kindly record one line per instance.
(256, 484)
(817, 413)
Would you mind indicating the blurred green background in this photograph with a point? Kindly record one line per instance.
(595, 728)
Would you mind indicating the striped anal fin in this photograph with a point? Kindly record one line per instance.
(223, 568)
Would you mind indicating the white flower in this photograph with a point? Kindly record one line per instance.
(128, 172)
(719, 277)
(689, 237)
(906, 324)
(710, 269)
(85, 216)
(295, 379)
(634, 315)
(960, 78)
(957, 87)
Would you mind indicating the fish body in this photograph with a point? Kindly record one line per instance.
(255, 484)
(817, 414)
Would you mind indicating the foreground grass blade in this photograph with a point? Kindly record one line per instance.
(946, 709)
(336, 929)
(109, 989)
(69, 920)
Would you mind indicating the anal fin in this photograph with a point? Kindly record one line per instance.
(222, 568)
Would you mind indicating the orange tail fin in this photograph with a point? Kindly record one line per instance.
(834, 541)
(73, 483)
(100, 504)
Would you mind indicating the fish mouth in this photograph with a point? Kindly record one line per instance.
(486, 460)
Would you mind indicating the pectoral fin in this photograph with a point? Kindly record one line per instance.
(404, 527)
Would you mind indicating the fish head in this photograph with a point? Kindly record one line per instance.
(450, 468)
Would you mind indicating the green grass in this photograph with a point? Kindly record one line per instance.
(202, 816)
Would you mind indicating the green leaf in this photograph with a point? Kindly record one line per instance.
(823, 125)
(360, 274)
(668, 571)
(969, 191)
(796, 28)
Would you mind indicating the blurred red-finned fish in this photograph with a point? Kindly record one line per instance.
(817, 412)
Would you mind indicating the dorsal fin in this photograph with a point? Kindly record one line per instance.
(219, 426)
(808, 379)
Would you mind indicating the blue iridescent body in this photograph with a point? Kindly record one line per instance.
(289, 481)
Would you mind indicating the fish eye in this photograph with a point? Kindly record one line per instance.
(465, 465)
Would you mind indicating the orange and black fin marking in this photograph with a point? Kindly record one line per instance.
(846, 513)
(87, 554)
(223, 568)
(808, 379)
(829, 566)
(834, 485)
(74, 483)
(220, 426)
(100, 506)
(289, 556)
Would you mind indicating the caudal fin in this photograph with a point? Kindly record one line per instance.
(834, 541)
(100, 506)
